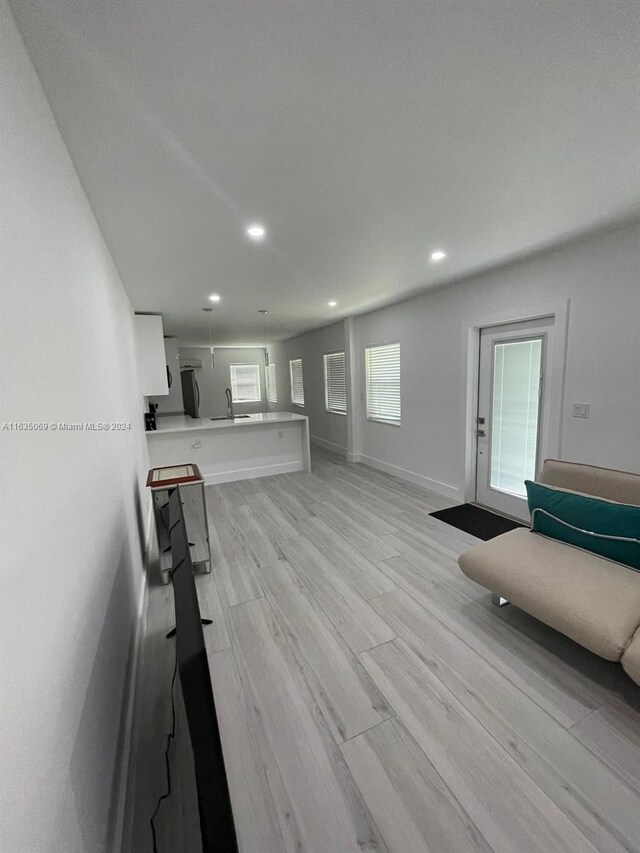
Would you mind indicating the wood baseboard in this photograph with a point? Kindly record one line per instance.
(328, 445)
(252, 473)
(439, 488)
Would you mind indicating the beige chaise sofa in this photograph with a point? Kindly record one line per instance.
(594, 601)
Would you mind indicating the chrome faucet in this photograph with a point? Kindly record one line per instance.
(227, 391)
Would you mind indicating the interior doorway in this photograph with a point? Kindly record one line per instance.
(511, 413)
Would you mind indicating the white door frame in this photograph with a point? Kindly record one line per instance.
(470, 356)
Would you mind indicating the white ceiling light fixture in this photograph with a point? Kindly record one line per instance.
(332, 303)
(256, 232)
(437, 255)
(210, 315)
(214, 297)
(264, 312)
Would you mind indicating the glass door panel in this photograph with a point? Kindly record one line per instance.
(515, 411)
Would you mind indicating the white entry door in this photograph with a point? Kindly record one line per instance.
(511, 412)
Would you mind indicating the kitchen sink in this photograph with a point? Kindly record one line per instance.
(226, 418)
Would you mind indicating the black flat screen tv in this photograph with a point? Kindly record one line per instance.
(214, 803)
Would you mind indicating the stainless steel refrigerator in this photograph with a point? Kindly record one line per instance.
(190, 393)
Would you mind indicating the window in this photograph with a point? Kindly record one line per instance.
(335, 383)
(517, 367)
(245, 383)
(270, 378)
(297, 385)
(383, 383)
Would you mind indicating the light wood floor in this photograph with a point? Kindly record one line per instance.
(370, 696)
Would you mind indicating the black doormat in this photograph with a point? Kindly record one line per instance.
(476, 521)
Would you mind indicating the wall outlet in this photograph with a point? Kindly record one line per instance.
(197, 444)
(580, 410)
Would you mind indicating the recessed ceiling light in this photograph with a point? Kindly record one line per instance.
(214, 297)
(256, 232)
(438, 255)
(332, 304)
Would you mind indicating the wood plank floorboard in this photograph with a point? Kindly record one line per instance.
(602, 806)
(381, 495)
(409, 801)
(349, 700)
(234, 566)
(613, 734)
(538, 672)
(352, 616)
(286, 502)
(364, 517)
(256, 540)
(271, 518)
(357, 496)
(226, 495)
(370, 697)
(426, 564)
(437, 536)
(307, 488)
(364, 576)
(396, 494)
(254, 811)
(364, 540)
(485, 780)
(319, 806)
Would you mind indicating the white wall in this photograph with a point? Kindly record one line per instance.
(326, 428)
(73, 509)
(601, 278)
(213, 381)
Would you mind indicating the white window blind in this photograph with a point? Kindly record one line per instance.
(297, 384)
(335, 383)
(514, 422)
(245, 383)
(383, 383)
(270, 376)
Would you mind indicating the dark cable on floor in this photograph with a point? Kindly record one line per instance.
(170, 738)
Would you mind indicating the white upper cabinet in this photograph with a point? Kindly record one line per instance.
(172, 404)
(152, 367)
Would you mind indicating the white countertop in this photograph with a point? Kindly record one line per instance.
(185, 423)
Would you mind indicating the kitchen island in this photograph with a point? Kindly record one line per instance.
(239, 448)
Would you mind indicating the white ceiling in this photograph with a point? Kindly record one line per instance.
(362, 133)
